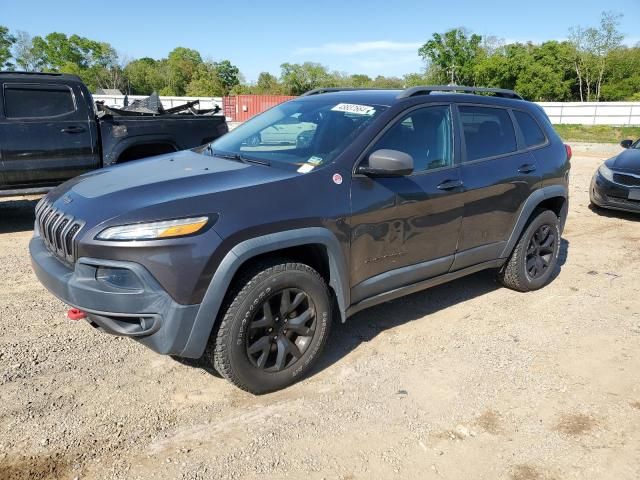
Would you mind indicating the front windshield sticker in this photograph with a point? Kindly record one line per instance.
(306, 168)
(354, 109)
(315, 160)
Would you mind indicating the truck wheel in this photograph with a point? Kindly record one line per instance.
(273, 329)
(535, 256)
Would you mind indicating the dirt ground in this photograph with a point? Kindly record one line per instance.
(465, 381)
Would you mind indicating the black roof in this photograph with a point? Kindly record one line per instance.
(39, 76)
(389, 97)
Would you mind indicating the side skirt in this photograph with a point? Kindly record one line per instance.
(416, 287)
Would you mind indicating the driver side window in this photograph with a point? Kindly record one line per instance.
(425, 134)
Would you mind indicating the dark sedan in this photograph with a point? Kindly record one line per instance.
(616, 184)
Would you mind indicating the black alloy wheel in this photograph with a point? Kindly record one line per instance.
(540, 251)
(281, 330)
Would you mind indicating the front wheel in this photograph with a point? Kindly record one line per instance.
(535, 256)
(274, 328)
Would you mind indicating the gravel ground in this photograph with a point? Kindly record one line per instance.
(467, 380)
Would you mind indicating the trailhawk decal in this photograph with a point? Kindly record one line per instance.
(354, 109)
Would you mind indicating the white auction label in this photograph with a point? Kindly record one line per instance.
(354, 108)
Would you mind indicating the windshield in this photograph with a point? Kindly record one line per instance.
(301, 135)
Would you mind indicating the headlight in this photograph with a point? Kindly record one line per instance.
(605, 172)
(154, 230)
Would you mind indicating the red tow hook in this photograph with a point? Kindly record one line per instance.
(76, 314)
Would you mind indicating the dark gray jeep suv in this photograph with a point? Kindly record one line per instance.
(244, 251)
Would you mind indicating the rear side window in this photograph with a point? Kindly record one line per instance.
(24, 101)
(533, 134)
(488, 132)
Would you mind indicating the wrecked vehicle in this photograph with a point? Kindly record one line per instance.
(51, 131)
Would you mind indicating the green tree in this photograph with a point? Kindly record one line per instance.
(593, 45)
(299, 78)
(268, 84)
(6, 42)
(622, 77)
(359, 80)
(206, 82)
(228, 75)
(453, 56)
(23, 52)
(181, 64)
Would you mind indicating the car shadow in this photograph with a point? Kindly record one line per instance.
(606, 212)
(17, 215)
(367, 324)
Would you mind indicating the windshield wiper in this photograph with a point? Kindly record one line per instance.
(240, 158)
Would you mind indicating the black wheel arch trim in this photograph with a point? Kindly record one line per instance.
(248, 249)
(532, 202)
(118, 147)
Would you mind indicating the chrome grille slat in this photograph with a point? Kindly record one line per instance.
(58, 230)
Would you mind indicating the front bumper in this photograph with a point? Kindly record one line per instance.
(146, 313)
(606, 194)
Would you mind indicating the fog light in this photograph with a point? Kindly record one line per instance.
(119, 278)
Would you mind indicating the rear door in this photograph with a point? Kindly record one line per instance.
(499, 173)
(45, 134)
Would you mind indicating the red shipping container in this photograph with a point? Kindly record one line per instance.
(239, 108)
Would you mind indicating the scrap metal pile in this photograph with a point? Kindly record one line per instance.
(152, 106)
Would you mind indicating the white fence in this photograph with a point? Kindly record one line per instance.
(584, 113)
(593, 113)
(167, 102)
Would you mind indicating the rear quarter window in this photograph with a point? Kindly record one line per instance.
(488, 132)
(25, 101)
(533, 134)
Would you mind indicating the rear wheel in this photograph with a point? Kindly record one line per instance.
(273, 329)
(535, 256)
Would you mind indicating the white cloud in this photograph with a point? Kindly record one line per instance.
(352, 48)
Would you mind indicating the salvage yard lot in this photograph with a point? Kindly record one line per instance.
(465, 381)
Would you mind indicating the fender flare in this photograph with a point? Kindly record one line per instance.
(119, 147)
(530, 204)
(209, 308)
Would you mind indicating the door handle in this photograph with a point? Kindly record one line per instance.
(72, 129)
(527, 168)
(450, 184)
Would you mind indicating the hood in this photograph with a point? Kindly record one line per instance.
(626, 161)
(167, 186)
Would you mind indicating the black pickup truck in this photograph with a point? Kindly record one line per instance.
(51, 131)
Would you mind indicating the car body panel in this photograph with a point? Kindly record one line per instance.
(383, 237)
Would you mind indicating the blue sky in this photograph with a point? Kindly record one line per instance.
(375, 37)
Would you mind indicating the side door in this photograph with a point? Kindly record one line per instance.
(499, 174)
(405, 229)
(46, 135)
(3, 181)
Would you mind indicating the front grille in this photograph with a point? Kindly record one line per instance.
(58, 230)
(629, 180)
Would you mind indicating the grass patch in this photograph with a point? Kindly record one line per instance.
(596, 133)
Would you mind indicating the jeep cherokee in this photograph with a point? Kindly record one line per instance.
(242, 252)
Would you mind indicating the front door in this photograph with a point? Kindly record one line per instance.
(499, 174)
(405, 229)
(46, 137)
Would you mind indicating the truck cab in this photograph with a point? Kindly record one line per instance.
(47, 130)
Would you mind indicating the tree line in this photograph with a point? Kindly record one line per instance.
(593, 64)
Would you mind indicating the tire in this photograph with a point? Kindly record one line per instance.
(535, 256)
(264, 342)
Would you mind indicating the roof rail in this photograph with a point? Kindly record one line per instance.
(19, 72)
(318, 91)
(498, 92)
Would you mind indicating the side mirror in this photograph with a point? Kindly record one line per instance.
(388, 163)
(626, 143)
